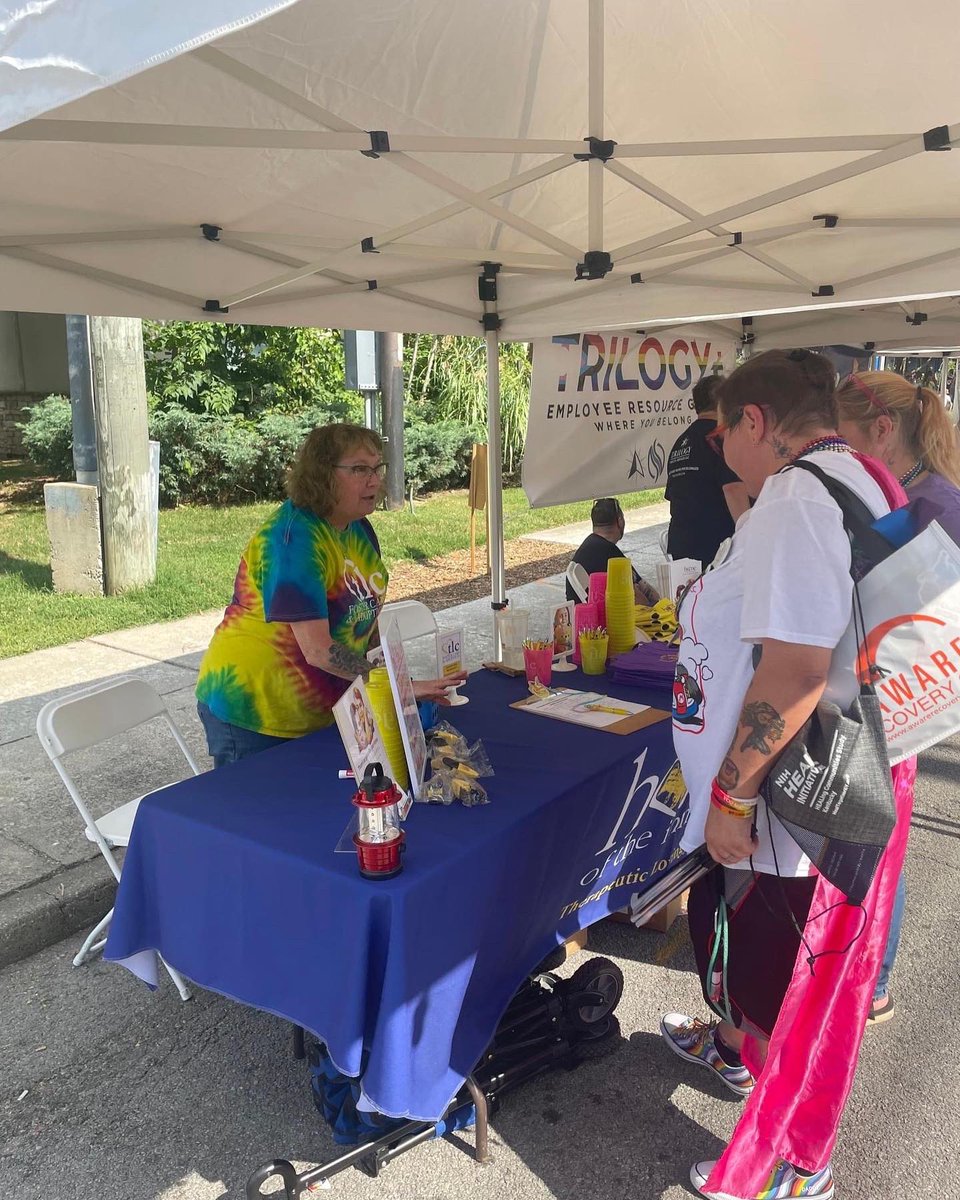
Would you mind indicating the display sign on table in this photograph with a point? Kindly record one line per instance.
(563, 636)
(450, 660)
(411, 727)
(606, 408)
(361, 739)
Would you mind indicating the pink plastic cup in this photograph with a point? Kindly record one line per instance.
(538, 664)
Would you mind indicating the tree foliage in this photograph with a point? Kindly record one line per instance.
(245, 369)
(446, 377)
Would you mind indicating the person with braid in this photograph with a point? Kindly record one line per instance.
(907, 427)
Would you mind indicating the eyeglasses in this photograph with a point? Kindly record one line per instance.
(362, 471)
(714, 438)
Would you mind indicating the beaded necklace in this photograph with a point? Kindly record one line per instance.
(909, 476)
(832, 442)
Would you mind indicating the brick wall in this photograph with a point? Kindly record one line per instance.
(12, 409)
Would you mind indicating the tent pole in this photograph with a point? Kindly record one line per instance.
(498, 593)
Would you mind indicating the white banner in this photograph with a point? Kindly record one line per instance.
(606, 408)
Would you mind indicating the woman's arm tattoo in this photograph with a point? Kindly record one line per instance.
(729, 774)
(764, 724)
(348, 663)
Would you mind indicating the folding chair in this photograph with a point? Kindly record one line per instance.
(579, 580)
(86, 718)
(412, 617)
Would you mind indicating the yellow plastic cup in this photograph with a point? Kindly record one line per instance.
(593, 654)
(385, 714)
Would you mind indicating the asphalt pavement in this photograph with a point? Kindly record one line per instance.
(109, 1091)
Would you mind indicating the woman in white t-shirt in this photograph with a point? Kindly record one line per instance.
(758, 632)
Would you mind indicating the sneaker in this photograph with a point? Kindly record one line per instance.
(784, 1182)
(694, 1041)
(881, 1010)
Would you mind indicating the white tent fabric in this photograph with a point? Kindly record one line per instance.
(931, 326)
(615, 162)
(744, 159)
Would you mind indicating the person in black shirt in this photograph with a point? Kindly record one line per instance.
(705, 496)
(596, 550)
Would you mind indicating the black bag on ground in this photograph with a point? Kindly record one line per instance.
(831, 787)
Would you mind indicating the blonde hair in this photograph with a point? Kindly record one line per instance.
(312, 479)
(921, 421)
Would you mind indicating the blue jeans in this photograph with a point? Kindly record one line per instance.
(229, 743)
(893, 940)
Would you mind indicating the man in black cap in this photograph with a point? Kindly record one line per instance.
(705, 496)
(596, 550)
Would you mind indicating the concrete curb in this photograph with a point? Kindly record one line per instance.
(71, 900)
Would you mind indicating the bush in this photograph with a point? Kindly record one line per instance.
(437, 456)
(48, 436)
(211, 459)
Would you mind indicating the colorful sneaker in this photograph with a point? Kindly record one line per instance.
(783, 1183)
(693, 1040)
(881, 1010)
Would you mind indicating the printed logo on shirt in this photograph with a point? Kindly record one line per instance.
(358, 585)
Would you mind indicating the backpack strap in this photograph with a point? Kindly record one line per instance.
(867, 546)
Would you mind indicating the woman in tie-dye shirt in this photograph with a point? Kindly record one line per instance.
(308, 591)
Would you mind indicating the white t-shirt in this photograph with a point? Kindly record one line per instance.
(786, 576)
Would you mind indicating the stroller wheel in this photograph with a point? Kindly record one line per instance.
(603, 1040)
(598, 978)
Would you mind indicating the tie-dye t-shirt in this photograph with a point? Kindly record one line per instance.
(297, 567)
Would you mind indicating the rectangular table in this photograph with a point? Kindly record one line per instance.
(232, 877)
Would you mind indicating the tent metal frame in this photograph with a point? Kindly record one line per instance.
(595, 266)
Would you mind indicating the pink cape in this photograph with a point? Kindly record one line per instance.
(794, 1111)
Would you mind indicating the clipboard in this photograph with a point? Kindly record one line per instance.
(640, 720)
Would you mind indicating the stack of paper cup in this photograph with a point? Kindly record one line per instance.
(597, 595)
(385, 713)
(621, 624)
(584, 617)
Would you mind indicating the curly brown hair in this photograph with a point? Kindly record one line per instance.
(312, 479)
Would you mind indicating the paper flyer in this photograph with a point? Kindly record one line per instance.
(411, 728)
(592, 709)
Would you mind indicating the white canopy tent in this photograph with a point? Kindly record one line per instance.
(930, 326)
(593, 163)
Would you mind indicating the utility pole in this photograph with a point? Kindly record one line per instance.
(123, 454)
(82, 404)
(391, 389)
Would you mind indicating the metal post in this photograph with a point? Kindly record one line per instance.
(390, 350)
(498, 593)
(82, 402)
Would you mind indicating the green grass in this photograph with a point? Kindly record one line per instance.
(198, 553)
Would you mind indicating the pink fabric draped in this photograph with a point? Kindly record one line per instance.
(794, 1111)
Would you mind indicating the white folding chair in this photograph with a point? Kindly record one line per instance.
(579, 580)
(412, 617)
(86, 718)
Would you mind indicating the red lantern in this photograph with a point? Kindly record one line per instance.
(379, 839)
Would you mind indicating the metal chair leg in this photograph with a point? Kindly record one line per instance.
(91, 945)
(179, 982)
(299, 1049)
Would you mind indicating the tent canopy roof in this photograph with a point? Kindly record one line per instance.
(175, 160)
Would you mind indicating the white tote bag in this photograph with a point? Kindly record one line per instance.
(911, 609)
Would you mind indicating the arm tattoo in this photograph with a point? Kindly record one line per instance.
(763, 722)
(780, 448)
(729, 774)
(347, 663)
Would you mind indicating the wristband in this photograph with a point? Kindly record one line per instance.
(733, 806)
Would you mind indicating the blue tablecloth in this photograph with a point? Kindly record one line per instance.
(232, 877)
